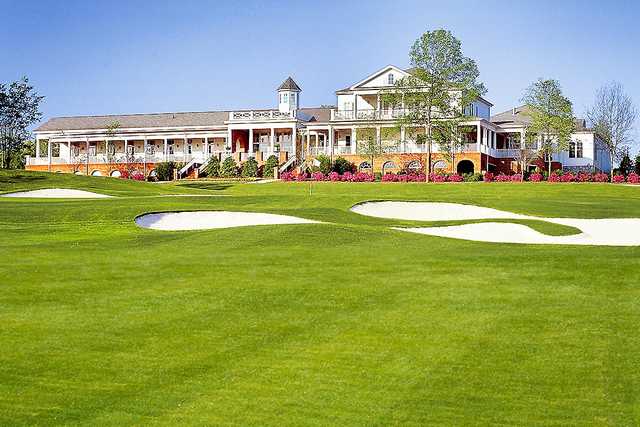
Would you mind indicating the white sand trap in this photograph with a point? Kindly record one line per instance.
(203, 220)
(605, 232)
(57, 193)
(431, 211)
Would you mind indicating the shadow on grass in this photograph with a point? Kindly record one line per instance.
(214, 186)
(19, 178)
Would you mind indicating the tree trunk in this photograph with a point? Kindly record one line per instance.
(611, 165)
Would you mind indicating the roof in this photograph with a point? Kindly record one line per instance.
(289, 84)
(159, 120)
(518, 116)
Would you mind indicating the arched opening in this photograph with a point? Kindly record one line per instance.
(388, 165)
(465, 166)
(115, 174)
(440, 164)
(153, 173)
(96, 173)
(364, 166)
(414, 166)
(78, 173)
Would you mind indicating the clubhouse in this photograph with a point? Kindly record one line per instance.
(101, 145)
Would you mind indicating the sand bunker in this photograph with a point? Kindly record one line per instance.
(203, 220)
(57, 193)
(605, 232)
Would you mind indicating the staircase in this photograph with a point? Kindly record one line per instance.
(194, 163)
(287, 164)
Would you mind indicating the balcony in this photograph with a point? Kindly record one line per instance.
(261, 116)
(367, 114)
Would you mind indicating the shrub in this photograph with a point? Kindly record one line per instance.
(250, 168)
(502, 178)
(618, 179)
(347, 176)
(325, 163)
(633, 178)
(302, 176)
(472, 177)
(516, 177)
(287, 176)
(488, 177)
(601, 177)
(567, 177)
(164, 171)
(554, 177)
(317, 176)
(455, 178)
(212, 167)
(334, 176)
(228, 168)
(342, 165)
(389, 177)
(271, 163)
(535, 177)
(138, 176)
(584, 177)
(438, 177)
(362, 177)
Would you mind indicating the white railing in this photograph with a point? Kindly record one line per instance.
(261, 115)
(367, 114)
(341, 149)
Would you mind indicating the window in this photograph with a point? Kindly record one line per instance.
(189, 149)
(293, 98)
(347, 140)
(365, 165)
(440, 164)
(285, 98)
(575, 149)
(390, 79)
(414, 165)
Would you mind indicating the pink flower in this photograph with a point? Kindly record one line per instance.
(536, 177)
(516, 178)
(389, 177)
(334, 176)
(488, 177)
(584, 177)
(317, 176)
(455, 178)
(633, 178)
(347, 176)
(554, 177)
(618, 179)
(601, 177)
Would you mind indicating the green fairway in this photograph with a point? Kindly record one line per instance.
(347, 322)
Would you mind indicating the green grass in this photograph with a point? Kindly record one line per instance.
(342, 323)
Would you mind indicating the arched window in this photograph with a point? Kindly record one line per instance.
(96, 173)
(440, 164)
(465, 166)
(365, 165)
(389, 165)
(390, 79)
(414, 166)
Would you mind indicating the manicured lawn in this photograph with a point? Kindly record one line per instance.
(342, 323)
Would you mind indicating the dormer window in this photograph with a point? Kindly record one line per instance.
(285, 98)
(390, 79)
(293, 98)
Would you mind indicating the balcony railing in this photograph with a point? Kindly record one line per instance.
(261, 115)
(368, 114)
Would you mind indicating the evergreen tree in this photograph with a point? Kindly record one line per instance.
(626, 166)
(250, 168)
(267, 169)
(228, 168)
(213, 167)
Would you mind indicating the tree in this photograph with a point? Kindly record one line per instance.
(524, 151)
(110, 148)
(228, 168)
(551, 116)
(342, 165)
(441, 84)
(612, 116)
(212, 168)
(370, 147)
(164, 171)
(325, 163)
(626, 166)
(19, 109)
(450, 137)
(271, 163)
(250, 168)
(636, 164)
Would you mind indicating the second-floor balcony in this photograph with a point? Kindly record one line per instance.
(367, 114)
(261, 115)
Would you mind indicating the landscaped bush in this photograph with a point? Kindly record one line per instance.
(502, 178)
(488, 177)
(347, 176)
(601, 177)
(228, 168)
(287, 176)
(302, 176)
(212, 168)
(438, 177)
(250, 168)
(554, 177)
(164, 171)
(271, 163)
(317, 176)
(455, 178)
(137, 176)
(618, 179)
(584, 177)
(516, 177)
(389, 177)
(472, 177)
(325, 164)
(362, 177)
(633, 178)
(342, 165)
(334, 176)
(124, 174)
(536, 177)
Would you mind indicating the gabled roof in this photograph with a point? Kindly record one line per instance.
(374, 75)
(289, 84)
(517, 115)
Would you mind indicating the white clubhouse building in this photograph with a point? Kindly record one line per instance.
(101, 145)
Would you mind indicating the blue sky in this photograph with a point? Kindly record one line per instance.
(90, 57)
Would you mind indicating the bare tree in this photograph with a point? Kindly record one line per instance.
(612, 116)
(524, 150)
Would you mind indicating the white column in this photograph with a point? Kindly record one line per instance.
(250, 149)
(378, 103)
(229, 141)
(355, 106)
(87, 150)
(184, 147)
(308, 147)
(317, 138)
(49, 152)
(144, 157)
(166, 149)
(37, 148)
(294, 140)
(478, 137)
(70, 147)
(126, 150)
(272, 142)
(378, 135)
(205, 148)
(331, 136)
(354, 140)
